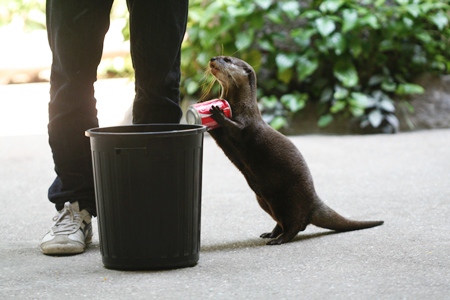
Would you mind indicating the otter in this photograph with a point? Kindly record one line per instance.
(272, 165)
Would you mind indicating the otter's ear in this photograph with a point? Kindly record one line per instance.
(250, 76)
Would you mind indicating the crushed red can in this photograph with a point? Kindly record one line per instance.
(200, 114)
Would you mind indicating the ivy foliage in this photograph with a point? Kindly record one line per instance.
(351, 57)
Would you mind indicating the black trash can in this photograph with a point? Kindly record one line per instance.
(148, 181)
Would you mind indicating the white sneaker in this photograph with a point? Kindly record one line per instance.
(70, 233)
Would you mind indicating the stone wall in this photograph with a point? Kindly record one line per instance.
(430, 110)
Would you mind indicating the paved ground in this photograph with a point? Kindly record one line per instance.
(402, 179)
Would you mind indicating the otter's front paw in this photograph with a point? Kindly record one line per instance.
(217, 113)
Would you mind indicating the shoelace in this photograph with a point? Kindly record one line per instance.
(68, 221)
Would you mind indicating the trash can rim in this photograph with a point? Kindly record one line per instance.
(178, 130)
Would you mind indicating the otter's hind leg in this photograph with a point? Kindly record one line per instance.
(278, 229)
(283, 238)
(289, 232)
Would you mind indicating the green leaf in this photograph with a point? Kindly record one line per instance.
(209, 13)
(387, 45)
(426, 7)
(274, 17)
(269, 102)
(424, 36)
(311, 14)
(387, 105)
(244, 39)
(355, 47)
(291, 9)
(285, 61)
(439, 19)
(340, 92)
(253, 57)
(402, 2)
(256, 21)
(345, 71)
(408, 22)
(264, 4)
(337, 42)
(409, 88)
(338, 106)
(370, 20)
(375, 80)
(413, 9)
(285, 75)
(278, 122)
(294, 102)
(192, 87)
(388, 86)
(393, 120)
(330, 6)
(203, 58)
(266, 45)
(241, 10)
(325, 120)
(358, 103)
(362, 100)
(325, 26)
(326, 95)
(302, 37)
(375, 118)
(356, 111)
(306, 66)
(350, 17)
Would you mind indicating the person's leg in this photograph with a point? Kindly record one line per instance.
(157, 29)
(76, 31)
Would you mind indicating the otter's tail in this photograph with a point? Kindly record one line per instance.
(326, 217)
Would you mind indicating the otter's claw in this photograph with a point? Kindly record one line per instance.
(267, 235)
(216, 112)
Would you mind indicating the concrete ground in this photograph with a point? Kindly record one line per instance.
(403, 179)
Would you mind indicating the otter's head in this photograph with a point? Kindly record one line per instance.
(237, 78)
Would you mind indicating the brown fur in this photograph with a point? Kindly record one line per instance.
(273, 167)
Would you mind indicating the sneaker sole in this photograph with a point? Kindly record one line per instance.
(64, 249)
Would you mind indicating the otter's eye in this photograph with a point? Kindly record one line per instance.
(227, 60)
(247, 70)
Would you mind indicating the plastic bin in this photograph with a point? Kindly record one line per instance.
(148, 181)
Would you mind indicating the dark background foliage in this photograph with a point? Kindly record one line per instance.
(352, 59)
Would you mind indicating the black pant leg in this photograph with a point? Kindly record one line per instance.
(157, 29)
(76, 30)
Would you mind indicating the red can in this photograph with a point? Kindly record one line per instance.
(200, 113)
